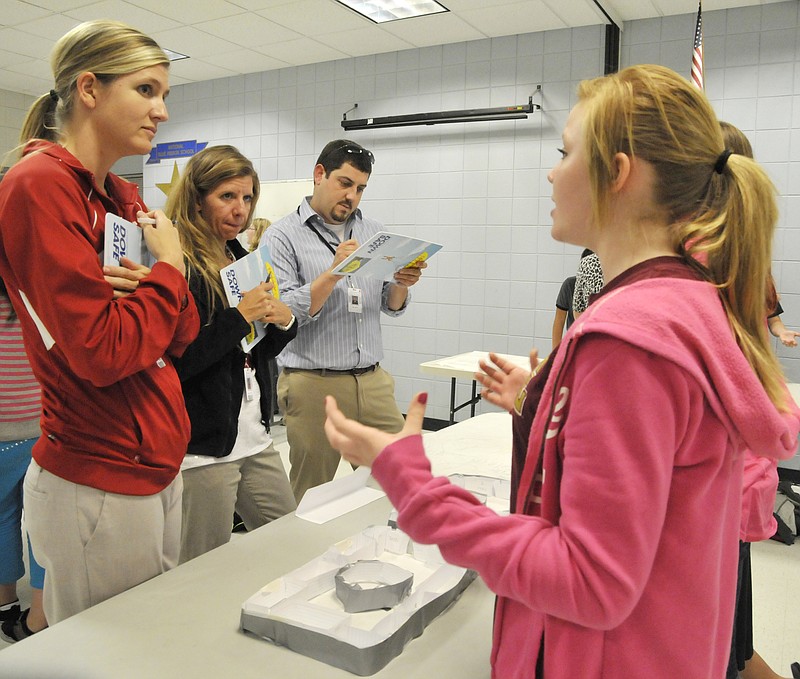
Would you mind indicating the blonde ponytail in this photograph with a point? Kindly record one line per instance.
(40, 123)
(106, 48)
(723, 210)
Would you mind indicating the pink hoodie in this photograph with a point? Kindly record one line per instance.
(624, 560)
(758, 498)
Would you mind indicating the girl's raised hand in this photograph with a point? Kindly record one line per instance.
(360, 444)
(502, 380)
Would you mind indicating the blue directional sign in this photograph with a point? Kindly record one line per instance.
(175, 149)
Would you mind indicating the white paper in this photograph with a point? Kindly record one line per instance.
(335, 498)
(385, 254)
(245, 274)
(480, 445)
(123, 239)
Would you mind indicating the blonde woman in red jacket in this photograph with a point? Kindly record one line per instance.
(102, 501)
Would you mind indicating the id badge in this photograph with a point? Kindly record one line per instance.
(249, 378)
(354, 303)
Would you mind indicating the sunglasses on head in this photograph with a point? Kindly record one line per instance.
(353, 148)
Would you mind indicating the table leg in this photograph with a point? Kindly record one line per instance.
(475, 399)
(452, 400)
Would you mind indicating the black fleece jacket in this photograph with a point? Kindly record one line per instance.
(212, 370)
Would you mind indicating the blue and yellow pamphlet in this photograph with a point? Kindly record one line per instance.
(124, 239)
(383, 255)
(243, 275)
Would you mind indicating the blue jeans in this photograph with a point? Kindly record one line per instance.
(15, 456)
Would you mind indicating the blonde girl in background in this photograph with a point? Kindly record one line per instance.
(758, 500)
(255, 231)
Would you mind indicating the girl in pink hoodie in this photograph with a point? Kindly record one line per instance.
(619, 559)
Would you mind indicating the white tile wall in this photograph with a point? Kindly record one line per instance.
(481, 188)
(13, 107)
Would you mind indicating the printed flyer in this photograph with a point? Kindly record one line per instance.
(124, 239)
(385, 254)
(244, 274)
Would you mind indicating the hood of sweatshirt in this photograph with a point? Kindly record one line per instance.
(684, 321)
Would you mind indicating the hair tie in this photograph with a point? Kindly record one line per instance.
(54, 95)
(722, 161)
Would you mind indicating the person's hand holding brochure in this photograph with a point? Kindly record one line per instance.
(245, 274)
(124, 239)
(385, 254)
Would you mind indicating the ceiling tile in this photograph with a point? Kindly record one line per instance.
(17, 82)
(217, 34)
(36, 68)
(190, 11)
(255, 5)
(120, 10)
(16, 12)
(314, 17)
(197, 69)
(363, 41)
(300, 52)
(529, 17)
(634, 9)
(15, 40)
(51, 27)
(432, 30)
(193, 43)
(461, 6)
(57, 5)
(248, 61)
(9, 58)
(583, 13)
(247, 30)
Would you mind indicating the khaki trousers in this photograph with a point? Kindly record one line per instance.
(93, 544)
(255, 487)
(368, 398)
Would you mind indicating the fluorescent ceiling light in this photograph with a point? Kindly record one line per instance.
(174, 56)
(381, 11)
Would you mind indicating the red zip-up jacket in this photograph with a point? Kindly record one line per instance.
(113, 415)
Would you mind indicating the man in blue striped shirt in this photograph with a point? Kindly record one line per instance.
(338, 346)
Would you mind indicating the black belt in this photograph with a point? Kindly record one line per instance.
(332, 371)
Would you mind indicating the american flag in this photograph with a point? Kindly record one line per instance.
(697, 52)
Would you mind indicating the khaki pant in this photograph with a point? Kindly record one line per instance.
(93, 544)
(368, 398)
(255, 487)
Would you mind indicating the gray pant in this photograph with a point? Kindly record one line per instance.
(93, 544)
(256, 487)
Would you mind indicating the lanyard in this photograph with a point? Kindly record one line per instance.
(322, 238)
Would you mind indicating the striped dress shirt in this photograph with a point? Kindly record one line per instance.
(335, 338)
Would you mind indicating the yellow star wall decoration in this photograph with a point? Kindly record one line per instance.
(166, 187)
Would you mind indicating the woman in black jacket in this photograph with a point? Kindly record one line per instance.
(231, 463)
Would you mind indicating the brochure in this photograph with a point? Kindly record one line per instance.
(244, 274)
(124, 239)
(385, 254)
